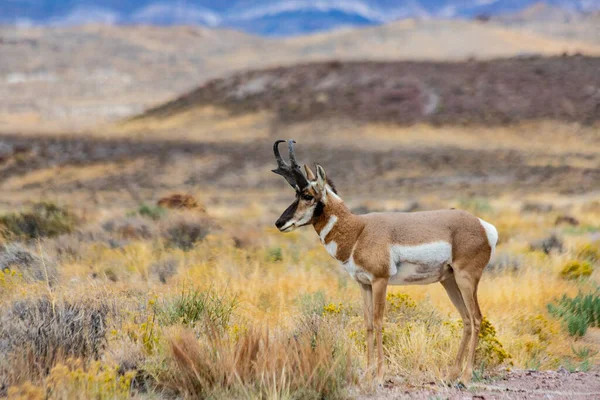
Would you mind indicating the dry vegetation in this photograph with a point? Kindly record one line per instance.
(155, 302)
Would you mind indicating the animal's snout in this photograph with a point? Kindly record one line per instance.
(279, 223)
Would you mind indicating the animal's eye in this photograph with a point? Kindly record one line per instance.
(307, 197)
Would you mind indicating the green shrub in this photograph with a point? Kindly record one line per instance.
(312, 303)
(275, 254)
(193, 306)
(155, 213)
(576, 269)
(578, 313)
(43, 220)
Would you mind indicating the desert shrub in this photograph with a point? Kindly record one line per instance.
(401, 308)
(576, 269)
(274, 254)
(312, 303)
(43, 220)
(164, 269)
(153, 212)
(131, 227)
(260, 365)
(73, 380)
(31, 266)
(505, 262)
(145, 334)
(578, 313)
(548, 244)
(400, 302)
(184, 231)
(332, 309)
(37, 334)
(9, 281)
(490, 351)
(65, 247)
(588, 252)
(535, 325)
(192, 306)
(584, 359)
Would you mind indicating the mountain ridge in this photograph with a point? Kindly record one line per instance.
(265, 17)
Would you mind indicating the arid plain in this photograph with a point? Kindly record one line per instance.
(140, 257)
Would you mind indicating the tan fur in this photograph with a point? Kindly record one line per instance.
(371, 235)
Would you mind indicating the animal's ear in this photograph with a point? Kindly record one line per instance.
(309, 173)
(321, 177)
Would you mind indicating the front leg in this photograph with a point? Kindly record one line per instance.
(379, 291)
(367, 295)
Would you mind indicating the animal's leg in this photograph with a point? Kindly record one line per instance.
(367, 295)
(379, 291)
(467, 283)
(456, 298)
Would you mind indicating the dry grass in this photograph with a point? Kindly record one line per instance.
(296, 329)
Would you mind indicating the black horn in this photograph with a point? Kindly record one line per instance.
(301, 180)
(292, 173)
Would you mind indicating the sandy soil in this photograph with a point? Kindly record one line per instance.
(518, 384)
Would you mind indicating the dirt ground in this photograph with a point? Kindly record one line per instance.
(518, 384)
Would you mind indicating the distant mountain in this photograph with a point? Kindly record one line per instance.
(263, 17)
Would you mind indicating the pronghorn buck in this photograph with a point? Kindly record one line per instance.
(380, 249)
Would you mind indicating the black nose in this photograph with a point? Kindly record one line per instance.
(279, 223)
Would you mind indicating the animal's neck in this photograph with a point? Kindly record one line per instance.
(338, 228)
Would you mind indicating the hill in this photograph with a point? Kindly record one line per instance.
(68, 79)
(472, 92)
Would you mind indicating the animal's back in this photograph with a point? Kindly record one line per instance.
(457, 232)
(423, 226)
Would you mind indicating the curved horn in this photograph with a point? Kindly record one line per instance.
(283, 168)
(291, 151)
(291, 172)
(301, 180)
(276, 151)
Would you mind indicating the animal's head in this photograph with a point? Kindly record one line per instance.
(311, 191)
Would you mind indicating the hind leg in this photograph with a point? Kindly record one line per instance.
(467, 283)
(456, 298)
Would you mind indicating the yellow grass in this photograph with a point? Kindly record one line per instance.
(272, 274)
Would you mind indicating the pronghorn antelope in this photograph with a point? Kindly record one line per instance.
(380, 249)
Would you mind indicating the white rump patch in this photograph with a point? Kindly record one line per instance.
(491, 233)
(327, 228)
(420, 264)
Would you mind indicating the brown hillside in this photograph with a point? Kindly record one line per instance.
(497, 92)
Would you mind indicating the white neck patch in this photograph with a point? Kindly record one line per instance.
(327, 228)
(330, 191)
